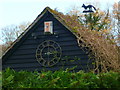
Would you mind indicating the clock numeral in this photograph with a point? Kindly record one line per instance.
(43, 46)
(38, 54)
(41, 60)
(44, 63)
(49, 64)
(55, 60)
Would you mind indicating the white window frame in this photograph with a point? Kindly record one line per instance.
(49, 28)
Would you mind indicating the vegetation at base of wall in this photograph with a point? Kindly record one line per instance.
(0, 79)
(59, 79)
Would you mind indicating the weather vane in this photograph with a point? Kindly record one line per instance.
(88, 8)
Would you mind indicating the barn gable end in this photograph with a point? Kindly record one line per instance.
(22, 55)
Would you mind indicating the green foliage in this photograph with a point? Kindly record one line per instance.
(59, 79)
(96, 21)
(0, 79)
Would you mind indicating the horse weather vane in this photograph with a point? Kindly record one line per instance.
(88, 8)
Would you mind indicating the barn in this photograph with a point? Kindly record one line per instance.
(47, 44)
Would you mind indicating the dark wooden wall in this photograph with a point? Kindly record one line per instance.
(23, 57)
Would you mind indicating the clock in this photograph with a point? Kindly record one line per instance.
(48, 53)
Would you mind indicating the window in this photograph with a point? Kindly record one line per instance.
(48, 27)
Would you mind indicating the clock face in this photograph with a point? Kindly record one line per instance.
(48, 53)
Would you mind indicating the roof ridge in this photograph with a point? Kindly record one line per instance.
(25, 31)
(53, 12)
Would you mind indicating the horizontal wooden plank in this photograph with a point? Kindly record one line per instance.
(82, 57)
(59, 39)
(70, 61)
(20, 61)
(28, 46)
(28, 65)
(55, 35)
(40, 33)
(63, 38)
(61, 42)
(23, 65)
(73, 53)
(37, 41)
(30, 55)
(71, 43)
(68, 43)
(23, 57)
(25, 52)
(33, 68)
(63, 49)
(54, 68)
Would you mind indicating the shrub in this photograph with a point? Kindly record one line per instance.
(0, 79)
(59, 79)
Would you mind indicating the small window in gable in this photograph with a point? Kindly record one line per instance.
(48, 27)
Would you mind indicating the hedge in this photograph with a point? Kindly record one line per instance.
(59, 79)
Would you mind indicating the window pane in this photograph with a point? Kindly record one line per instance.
(48, 26)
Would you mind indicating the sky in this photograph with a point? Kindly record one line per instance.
(14, 12)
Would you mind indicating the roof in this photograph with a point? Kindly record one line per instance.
(103, 49)
(59, 16)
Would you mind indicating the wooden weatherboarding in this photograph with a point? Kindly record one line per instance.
(46, 44)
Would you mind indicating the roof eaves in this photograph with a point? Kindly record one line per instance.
(54, 13)
(60, 19)
(27, 29)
